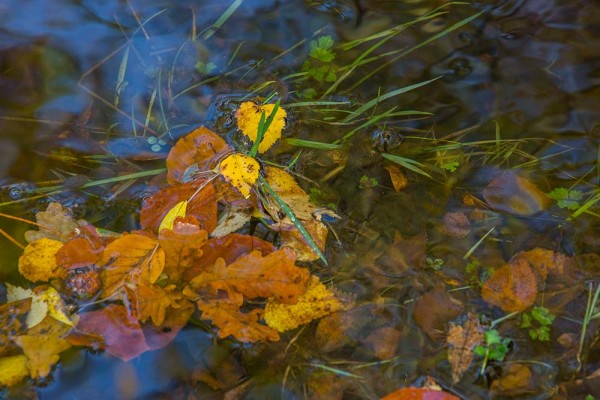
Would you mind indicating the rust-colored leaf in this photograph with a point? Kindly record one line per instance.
(543, 261)
(159, 336)
(152, 302)
(255, 275)
(231, 321)
(398, 178)
(512, 287)
(182, 247)
(516, 195)
(456, 224)
(516, 380)
(434, 309)
(462, 339)
(411, 393)
(78, 253)
(199, 151)
(122, 333)
(12, 321)
(129, 260)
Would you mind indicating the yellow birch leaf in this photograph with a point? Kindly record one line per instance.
(178, 210)
(44, 302)
(56, 306)
(248, 118)
(13, 369)
(317, 302)
(241, 171)
(38, 262)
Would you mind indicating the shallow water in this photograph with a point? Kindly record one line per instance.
(78, 79)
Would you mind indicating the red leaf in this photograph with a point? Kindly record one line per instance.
(419, 394)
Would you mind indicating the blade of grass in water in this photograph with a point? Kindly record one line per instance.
(263, 127)
(263, 183)
(313, 145)
(406, 163)
(222, 19)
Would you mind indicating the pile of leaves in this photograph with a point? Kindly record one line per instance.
(132, 292)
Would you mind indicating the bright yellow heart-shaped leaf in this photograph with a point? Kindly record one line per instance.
(241, 171)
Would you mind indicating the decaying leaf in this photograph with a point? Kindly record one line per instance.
(248, 118)
(230, 220)
(315, 303)
(38, 262)
(512, 287)
(411, 393)
(57, 224)
(293, 239)
(44, 301)
(290, 192)
(178, 210)
(462, 339)
(241, 171)
(13, 369)
(434, 309)
(182, 246)
(199, 151)
(42, 345)
(516, 380)
(122, 333)
(128, 260)
(254, 275)
(398, 178)
(384, 342)
(152, 302)
(543, 261)
(516, 195)
(245, 327)
(80, 251)
(456, 224)
(12, 321)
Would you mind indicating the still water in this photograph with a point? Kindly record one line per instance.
(92, 90)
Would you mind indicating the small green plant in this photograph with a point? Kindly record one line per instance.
(538, 323)
(566, 198)
(205, 68)
(319, 64)
(495, 348)
(367, 182)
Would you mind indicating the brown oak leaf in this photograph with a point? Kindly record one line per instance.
(151, 301)
(462, 339)
(182, 247)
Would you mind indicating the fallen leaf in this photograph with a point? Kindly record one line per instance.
(158, 336)
(456, 224)
(199, 151)
(152, 302)
(254, 275)
(56, 222)
(38, 261)
(129, 260)
(248, 117)
(122, 333)
(543, 261)
(339, 329)
(78, 253)
(202, 206)
(512, 287)
(516, 380)
(178, 210)
(434, 309)
(44, 301)
(513, 194)
(13, 369)
(231, 321)
(462, 339)
(42, 346)
(411, 393)
(241, 171)
(384, 342)
(293, 239)
(398, 178)
(315, 303)
(290, 192)
(12, 321)
(183, 248)
(231, 219)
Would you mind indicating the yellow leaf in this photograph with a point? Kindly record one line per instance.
(248, 118)
(44, 302)
(290, 192)
(13, 369)
(178, 210)
(317, 302)
(38, 262)
(56, 306)
(241, 171)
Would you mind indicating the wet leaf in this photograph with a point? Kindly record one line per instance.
(122, 333)
(203, 206)
(13, 369)
(159, 336)
(248, 118)
(245, 327)
(255, 275)
(434, 309)
(152, 302)
(293, 239)
(543, 261)
(419, 394)
(178, 210)
(38, 262)
(456, 224)
(44, 301)
(241, 171)
(200, 151)
(462, 339)
(79, 252)
(42, 345)
(290, 192)
(12, 321)
(58, 224)
(315, 303)
(516, 380)
(384, 342)
(513, 287)
(129, 260)
(398, 178)
(182, 246)
(513, 194)
(231, 219)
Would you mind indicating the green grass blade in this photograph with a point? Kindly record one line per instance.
(406, 163)
(263, 183)
(313, 145)
(263, 127)
(222, 19)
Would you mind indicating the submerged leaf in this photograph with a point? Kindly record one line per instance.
(248, 118)
(241, 171)
(513, 287)
(462, 339)
(152, 302)
(513, 194)
(398, 178)
(419, 394)
(12, 321)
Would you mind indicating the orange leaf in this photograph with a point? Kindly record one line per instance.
(203, 206)
(231, 321)
(197, 152)
(77, 253)
(151, 301)
(161, 335)
(513, 287)
(129, 260)
(462, 339)
(419, 394)
(543, 261)
(294, 240)
(253, 275)
(182, 247)
(123, 336)
(398, 178)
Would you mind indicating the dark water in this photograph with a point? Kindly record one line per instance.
(95, 89)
